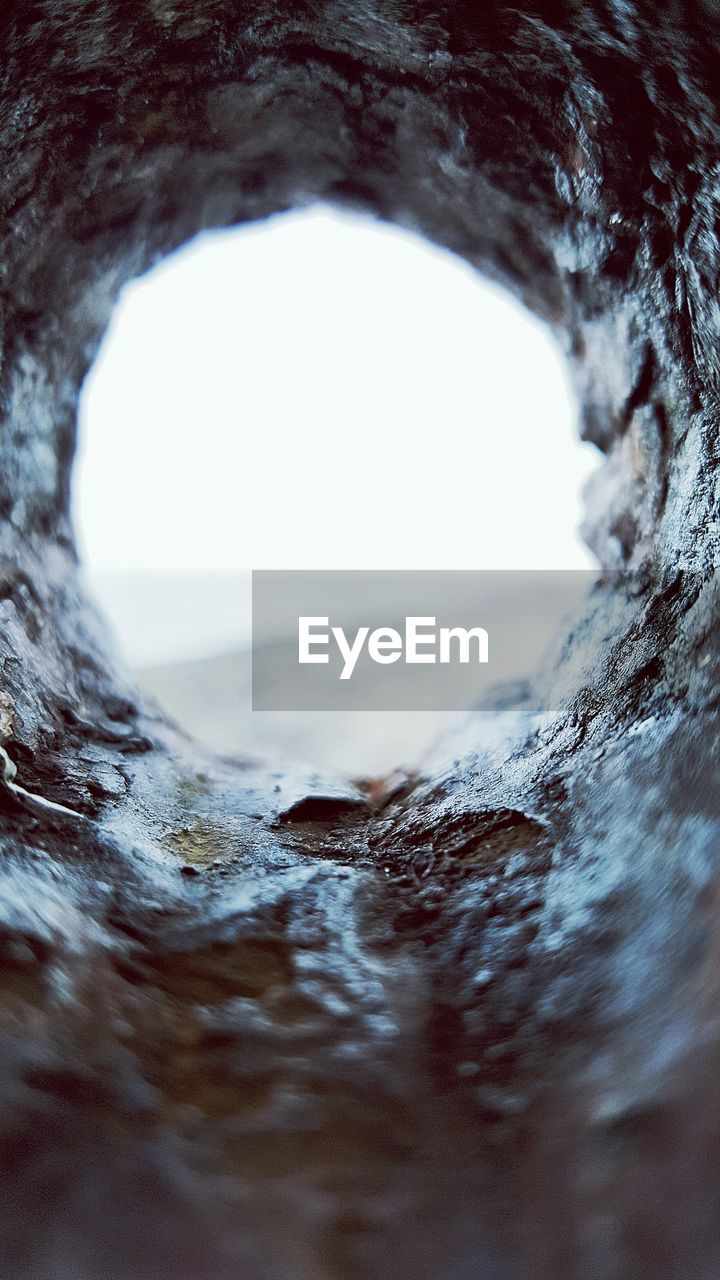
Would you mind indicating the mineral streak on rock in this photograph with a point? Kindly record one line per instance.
(463, 1025)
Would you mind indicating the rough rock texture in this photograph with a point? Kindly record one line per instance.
(462, 1024)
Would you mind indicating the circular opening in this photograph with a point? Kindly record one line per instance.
(316, 391)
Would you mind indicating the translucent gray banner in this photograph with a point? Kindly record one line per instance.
(402, 641)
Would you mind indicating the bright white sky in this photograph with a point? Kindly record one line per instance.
(323, 391)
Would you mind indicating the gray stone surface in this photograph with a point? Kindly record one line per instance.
(264, 1023)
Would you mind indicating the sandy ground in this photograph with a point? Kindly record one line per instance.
(211, 698)
(188, 638)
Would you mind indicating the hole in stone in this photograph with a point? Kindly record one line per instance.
(316, 391)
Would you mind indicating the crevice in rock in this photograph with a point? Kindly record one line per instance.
(359, 1041)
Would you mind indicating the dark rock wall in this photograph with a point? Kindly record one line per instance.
(259, 1024)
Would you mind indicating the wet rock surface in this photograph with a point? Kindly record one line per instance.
(255, 1022)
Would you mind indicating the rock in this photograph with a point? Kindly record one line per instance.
(262, 1070)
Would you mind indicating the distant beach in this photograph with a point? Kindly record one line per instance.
(188, 637)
